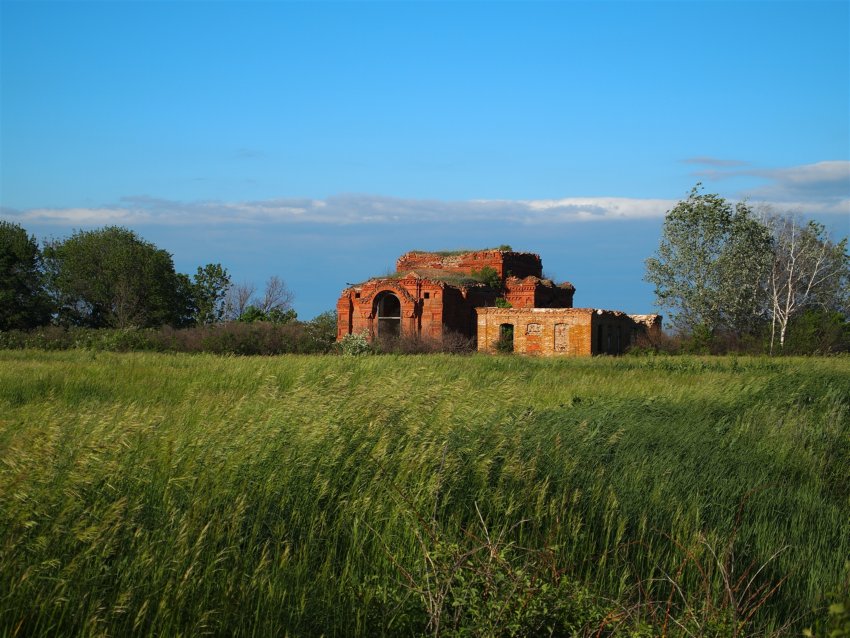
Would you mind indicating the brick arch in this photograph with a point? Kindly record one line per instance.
(367, 305)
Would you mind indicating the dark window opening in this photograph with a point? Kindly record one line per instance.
(427, 295)
(388, 312)
(357, 295)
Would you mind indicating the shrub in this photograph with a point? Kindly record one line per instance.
(320, 332)
(353, 345)
(818, 332)
(256, 338)
(253, 314)
(451, 342)
(488, 276)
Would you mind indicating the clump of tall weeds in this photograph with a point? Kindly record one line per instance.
(483, 584)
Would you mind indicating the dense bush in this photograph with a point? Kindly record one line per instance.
(451, 342)
(814, 332)
(257, 338)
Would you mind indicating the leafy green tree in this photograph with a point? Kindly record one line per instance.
(23, 301)
(209, 290)
(710, 265)
(110, 277)
(322, 330)
(185, 306)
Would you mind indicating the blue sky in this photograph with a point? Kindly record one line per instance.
(318, 141)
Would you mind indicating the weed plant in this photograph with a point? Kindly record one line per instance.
(172, 494)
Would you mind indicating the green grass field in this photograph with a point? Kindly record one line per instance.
(166, 495)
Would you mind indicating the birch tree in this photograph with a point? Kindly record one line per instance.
(808, 271)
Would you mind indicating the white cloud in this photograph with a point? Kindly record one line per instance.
(813, 189)
(830, 180)
(349, 209)
(84, 215)
(822, 188)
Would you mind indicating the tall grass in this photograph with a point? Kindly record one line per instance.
(152, 494)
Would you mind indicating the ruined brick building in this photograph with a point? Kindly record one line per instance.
(433, 294)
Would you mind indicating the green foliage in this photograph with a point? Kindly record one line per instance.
(153, 494)
(834, 621)
(501, 302)
(505, 343)
(505, 248)
(112, 278)
(322, 330)
(23, 301)
(483, 585)
(488, 276)
(260, 338)
(354, 345)
(818, 331)
(809, 272)
(209, 293)
(710, 265)
(275, 315)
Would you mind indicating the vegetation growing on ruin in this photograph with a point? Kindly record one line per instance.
(154, 494)
(505, 248)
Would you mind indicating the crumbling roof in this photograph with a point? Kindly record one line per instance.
(548, 283)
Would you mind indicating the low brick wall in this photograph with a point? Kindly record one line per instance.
(541, 331)
(570, 332)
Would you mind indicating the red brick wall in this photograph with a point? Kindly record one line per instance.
(534, 293)
(560, 331)
(428, 308)
(517, 264)
(540, 331)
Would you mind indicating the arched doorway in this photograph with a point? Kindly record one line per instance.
(388, 314)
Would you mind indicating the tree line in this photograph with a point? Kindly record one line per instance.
(730, 277)
(743, 276)
(112, 278)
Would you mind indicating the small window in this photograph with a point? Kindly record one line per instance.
(357, 295)
(427, 295)
(562, 337)
(534, 329)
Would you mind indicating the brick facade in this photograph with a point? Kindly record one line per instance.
(505, 263)
(560, 331)
(428, 308)
(434, 294)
